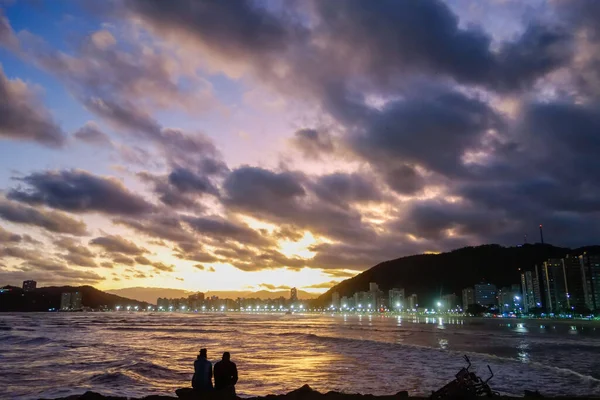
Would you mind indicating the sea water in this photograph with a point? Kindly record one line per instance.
(137, 354)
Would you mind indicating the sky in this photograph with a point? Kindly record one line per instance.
(242, 145)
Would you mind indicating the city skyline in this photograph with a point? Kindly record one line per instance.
(142, 144)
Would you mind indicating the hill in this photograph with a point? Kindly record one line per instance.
(150, 294)
(46, 298)
(429, 274)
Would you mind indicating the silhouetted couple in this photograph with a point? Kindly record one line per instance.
(225, 374)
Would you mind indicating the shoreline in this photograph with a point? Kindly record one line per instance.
(303, 393)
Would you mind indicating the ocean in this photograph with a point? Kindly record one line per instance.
(137, 354)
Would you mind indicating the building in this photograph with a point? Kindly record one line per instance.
(76, 301)
(396, 299)
(570, 283)
(373, 287)
(335, 300)
(29, 285)
(361, 300)
(412, 302)
(553, 276)
(65, 301)
(576, 283)
(530, 291)
(450, 302)
(591, 265)
(468, 297)
(510, 299)
(162, 304)
(346, 303)
(485, 294)
(293, 295)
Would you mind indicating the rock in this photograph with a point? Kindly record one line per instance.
(532, 394)
(186, 393)
(98, 396)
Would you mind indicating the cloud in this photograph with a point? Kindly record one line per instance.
(117, 244)
(79, 191)
(323, 285)
(50, 220)
(163, 226)
(223, 230)
(9, 237)
(75, 253)
(47, 271)
(343, 188)
(312, 143)
(91, 134)
(23, 116)
(269, 286)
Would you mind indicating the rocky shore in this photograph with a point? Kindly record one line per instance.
(303, 393)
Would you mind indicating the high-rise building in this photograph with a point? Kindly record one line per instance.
(335, 299)
(360, 300)
(528, 292)
(29, 285)
(373, 287)
(450, 301)
(576, 282)
(537, 288)
(65, 301)
(396, 299)
(485, 294)
(591, 265)
(553, 275)
(413, 302)
(346, 303)
(468, 297)
(293, 295)
(76, 301)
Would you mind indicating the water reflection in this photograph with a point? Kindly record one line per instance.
(523, 352)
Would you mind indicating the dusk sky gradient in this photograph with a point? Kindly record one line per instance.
(235, 145)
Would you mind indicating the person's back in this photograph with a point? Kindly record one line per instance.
(202, 379)
(226, 375)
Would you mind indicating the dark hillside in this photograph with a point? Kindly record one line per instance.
(429, 274)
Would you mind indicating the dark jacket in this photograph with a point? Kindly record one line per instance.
(202, 379)
(226, 374)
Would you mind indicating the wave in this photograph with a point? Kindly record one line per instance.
(112, 378)
(176, 330)
(23, 340)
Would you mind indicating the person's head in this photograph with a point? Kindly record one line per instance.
(202, 353)
(226, 356)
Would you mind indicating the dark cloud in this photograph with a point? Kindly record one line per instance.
(90, 133)
(203, 268)
(50, 220)
(9, 237)
(324, 285)
(343, 188)
(23, 116)
(182, 188)
(79, 191)
(163, 226)
(75, 253)
(313, 143)
(123, 260)
(47, 271)
(117, 244)
(269, 286)
(281, 198)
(159, 266)
(236, 29)
(222, 229)
(432, 128)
